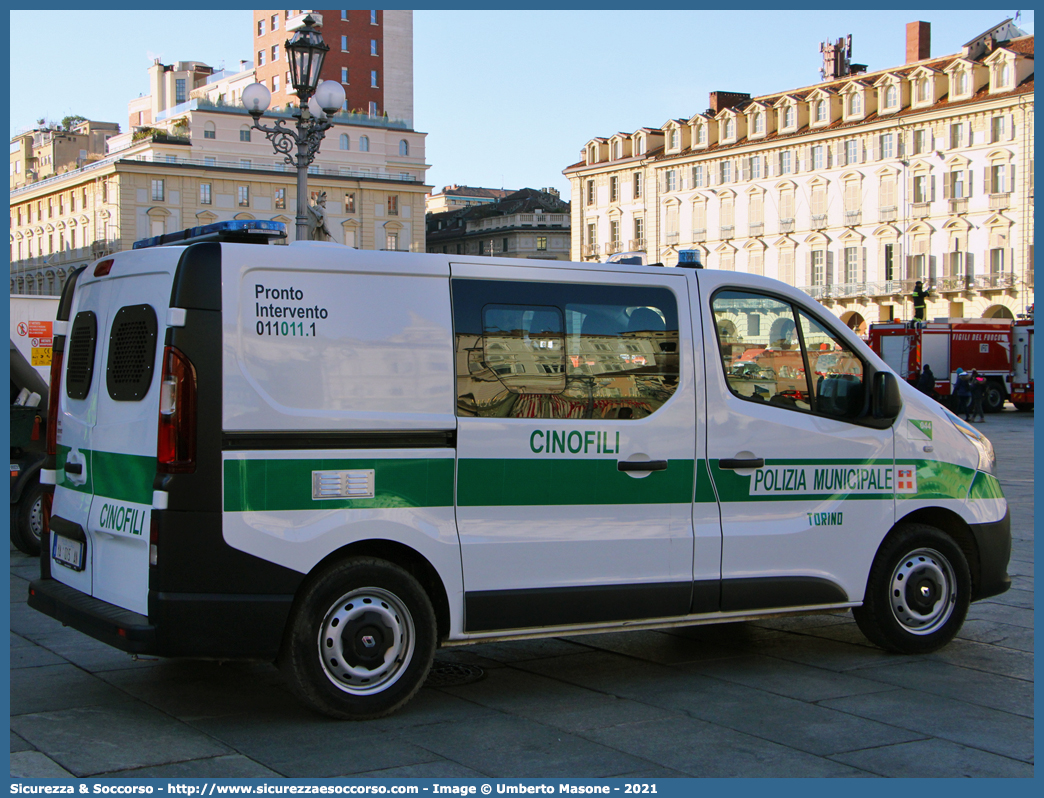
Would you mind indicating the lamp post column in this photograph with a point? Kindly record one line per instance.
(302, 175)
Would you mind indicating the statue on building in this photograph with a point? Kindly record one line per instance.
(317, 229)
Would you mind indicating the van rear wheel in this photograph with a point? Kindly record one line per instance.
(360, 640)
(918, 591)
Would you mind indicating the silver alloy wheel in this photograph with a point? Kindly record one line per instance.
(366, 641)
(36, 519)
(923, 591)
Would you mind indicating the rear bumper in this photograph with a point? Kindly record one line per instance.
(994, 543)
(178, 624)
(120, 628)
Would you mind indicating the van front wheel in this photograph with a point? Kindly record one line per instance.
(918, 591)
(360, 640)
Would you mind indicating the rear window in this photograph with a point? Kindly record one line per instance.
(80, 366)
(132, 353)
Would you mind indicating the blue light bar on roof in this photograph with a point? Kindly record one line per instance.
(252, 231)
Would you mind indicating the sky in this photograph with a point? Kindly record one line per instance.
(508, 98)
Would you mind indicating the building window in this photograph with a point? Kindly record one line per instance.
(821, 111)
(955, 184)
(1004, 76)
(920, 142)
(639, 231)
(920, 189)
(851, 152)
(344, 44)
(157, 191)
(818, 267)
(179, 90)
(541, 243)
(614, 232)
(404, 148)
(372, 109)
(961, 82)
(730, 128)
(671, 177)
(785, 165)
(345, 141)
(275, 52)
(275, 83)
(701, 134)
(891, 97)
(997, 129)
(889, 262)
(344, 74)
(204, 193)
(373, 47)
(614, 189)
(922, 90)
(725, 168)
(209, 160)
(817, 157)
(373, 17)
(392, 242)
(349, 202)
(275, 22)
(997, 182)
(887, 148)
(996, 261)
(759, 122)
(364, 143)
(280, 198)
(852, 265)
(393, 205)
(373, 78)
(755, 167)
(244, 196)
(956, 135)
(788, 117)
(590, 192)
(592, 235)
(697, 176)
(245, 163)
(244, 133)
(260, 57)
(260, 27)
(855, 105)
(344, 15)
(637, 185)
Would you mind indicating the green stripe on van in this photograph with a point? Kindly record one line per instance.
(985, 486)
(511, 482)
(123, 477)
(269, 485)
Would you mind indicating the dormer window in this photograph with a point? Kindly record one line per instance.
(922, 90)
(821, 111)
(1004, 76)
(788, 117)
(891, 98)
(759, 122)
(639, 145)
(617, 150)
(855, 105)
(730, 129)
(701, 134)
(674, 138)
(960, 84)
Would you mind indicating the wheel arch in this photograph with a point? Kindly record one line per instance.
(406, 557)
(957, 528)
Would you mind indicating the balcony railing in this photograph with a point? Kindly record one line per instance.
(699, 236)
(613, 247)
(786, 225)
(67, 257)
(959, 282)
(819, 221)
(818, 291)
(887, 214)
(998, 202)
(756, 229)
(887, 287)
(853, 218)
(849, 289)
(959, 205)
(520, 220)
(920, 210)
(727, 231)
(636, 245)
(589, 251)
(672, 237)
(993, 281)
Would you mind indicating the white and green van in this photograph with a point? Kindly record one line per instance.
(342, 460)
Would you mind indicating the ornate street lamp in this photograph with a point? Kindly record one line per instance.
(305, 52)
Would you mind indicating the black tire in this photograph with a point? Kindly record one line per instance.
(360, 639)
(27, 520)
(1024, 407)
(921, 558)
(993, 398)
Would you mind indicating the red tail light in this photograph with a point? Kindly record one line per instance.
(177, 414)
(57, 357)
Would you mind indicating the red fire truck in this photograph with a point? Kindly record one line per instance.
(1022, 363)
(998, 348)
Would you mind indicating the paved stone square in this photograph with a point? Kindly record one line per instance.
(793, 697)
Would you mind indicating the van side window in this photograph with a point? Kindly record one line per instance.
(80, 369)
(772, 352)
(837, 372)
(563, 350)
(132, 353)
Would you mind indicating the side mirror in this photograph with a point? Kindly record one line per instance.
(886, 402)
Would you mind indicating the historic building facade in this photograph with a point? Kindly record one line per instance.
(190, 158)
(851, 189)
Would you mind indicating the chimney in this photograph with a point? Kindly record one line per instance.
(918, 41)
(720, 100)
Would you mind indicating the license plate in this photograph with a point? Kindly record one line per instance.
(67, 552)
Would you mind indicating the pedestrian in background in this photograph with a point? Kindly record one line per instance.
(977, 384)
(962, 390)
(926, 382)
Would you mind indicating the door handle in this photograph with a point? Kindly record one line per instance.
(754, 462)
(641, 465)
(74, 468)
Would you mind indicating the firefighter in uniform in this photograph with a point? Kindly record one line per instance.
(920, 304)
